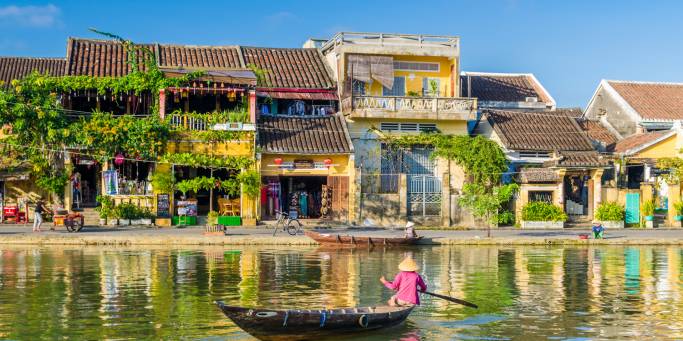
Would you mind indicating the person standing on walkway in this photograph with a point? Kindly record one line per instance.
(38, 216)
(406, 284)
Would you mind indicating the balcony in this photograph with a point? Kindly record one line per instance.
(390, 43)
(205, 122)
(409, 107)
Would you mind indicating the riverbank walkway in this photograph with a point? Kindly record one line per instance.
(94, 235)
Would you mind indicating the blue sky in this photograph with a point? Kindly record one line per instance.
(569, 45)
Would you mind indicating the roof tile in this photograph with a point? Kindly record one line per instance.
(290, 67)
(638, 140)
(503, 87)
(656, 101)
(301, 135)
(12, 68)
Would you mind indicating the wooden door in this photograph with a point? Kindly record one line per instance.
(340, 197)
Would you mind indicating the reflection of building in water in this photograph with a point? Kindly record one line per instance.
(118, 273)
(339, 276)
(595, 279)
(249, 272)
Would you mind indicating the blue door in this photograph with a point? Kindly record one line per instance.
(632, 208)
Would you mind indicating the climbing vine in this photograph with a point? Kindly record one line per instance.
(208, 161)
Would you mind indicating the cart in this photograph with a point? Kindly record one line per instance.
(73, 221)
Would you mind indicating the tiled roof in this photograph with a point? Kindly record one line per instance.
(100, 58)
(578, 159)
(206, 57)
(538, 131)
(304, 135)
(569, 112)
(597, 132)
(290, 68)
(537, 175)
(638, 140)
(12, 68)
(502, 87)
(657, 101)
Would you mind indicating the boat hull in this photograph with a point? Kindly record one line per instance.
(304, 324)
(348, 240)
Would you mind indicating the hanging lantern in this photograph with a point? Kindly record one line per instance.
(328, 162)
(278, 161)
(118, 159)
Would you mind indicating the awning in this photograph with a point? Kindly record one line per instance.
(16, 175)
(364, 68)
(232, 76)
(321, 96)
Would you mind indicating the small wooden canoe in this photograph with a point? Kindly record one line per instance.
(304, 324)
(348, 240)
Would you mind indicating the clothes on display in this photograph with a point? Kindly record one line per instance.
(301, 197)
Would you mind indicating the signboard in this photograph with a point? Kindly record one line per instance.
(163, 205)
(111, 182)
(303, 164)
(659, 171)
(187, 207)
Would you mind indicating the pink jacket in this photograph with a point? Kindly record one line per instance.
(407, 283)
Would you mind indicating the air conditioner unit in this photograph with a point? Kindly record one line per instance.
(531, 99)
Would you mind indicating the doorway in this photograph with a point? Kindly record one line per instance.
(85, 184)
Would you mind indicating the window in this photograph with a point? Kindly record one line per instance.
(416, 66)
(407, 127)
(534, 154)
(358, 87)
(542, 196)
(431, 86)
(399, 88)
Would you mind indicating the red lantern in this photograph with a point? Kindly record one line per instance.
(278, 161)
(328, 162)
(118, 159)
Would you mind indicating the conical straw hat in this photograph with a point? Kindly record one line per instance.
(408, 264)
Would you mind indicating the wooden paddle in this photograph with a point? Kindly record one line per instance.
(451, 299)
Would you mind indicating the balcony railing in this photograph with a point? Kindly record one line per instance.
(192, 123)
(391, 39)
(429, 107)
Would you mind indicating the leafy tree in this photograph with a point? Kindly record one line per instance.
(487, 203)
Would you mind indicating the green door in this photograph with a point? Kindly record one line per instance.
(632, 208)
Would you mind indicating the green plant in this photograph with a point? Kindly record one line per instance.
(212, 218)
(678, 207)
(648, 208)
(487, 204)
(127, 211)
(208, 161)
(610, 211)
(163, 181)
(542, 211)
(413, 93)
(433, 88)
(106, 208)
(251, 182)
(260, 74)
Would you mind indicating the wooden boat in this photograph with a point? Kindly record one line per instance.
(304, 324)
(348, 240)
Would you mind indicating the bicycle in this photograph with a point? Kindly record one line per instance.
(288, 223)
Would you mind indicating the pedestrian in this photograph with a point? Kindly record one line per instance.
(598, 230)
(406, 284)
(38, 215)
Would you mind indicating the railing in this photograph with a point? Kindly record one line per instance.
(421, 104)
(391, 39)
(193, 123)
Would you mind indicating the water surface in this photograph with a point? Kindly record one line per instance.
(523, 292)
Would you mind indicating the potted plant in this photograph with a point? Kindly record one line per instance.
(105, 209)
(610, 214)
(648, 211)
(143, 216)
(541, 214)
(212, 218)
(126, 212)
(678, 218)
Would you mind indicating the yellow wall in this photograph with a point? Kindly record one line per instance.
(340, 165)
(244, 147)
(415, 84)
(360, 127)
(665, 148)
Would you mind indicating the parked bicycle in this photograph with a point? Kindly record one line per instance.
(287, 223)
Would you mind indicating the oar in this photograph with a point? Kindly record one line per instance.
(451, 299)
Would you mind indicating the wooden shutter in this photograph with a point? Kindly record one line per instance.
(340, 197)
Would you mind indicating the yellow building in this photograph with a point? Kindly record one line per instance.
(305, 152)
(639, 180)
(395, 84)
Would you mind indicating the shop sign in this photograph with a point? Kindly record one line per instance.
(304, 164)
(187, 207)
(659, 171)
(163, 205)
(83, 162)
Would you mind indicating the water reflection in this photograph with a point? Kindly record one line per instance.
(530, 292)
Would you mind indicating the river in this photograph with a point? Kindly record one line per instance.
(553, 293)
